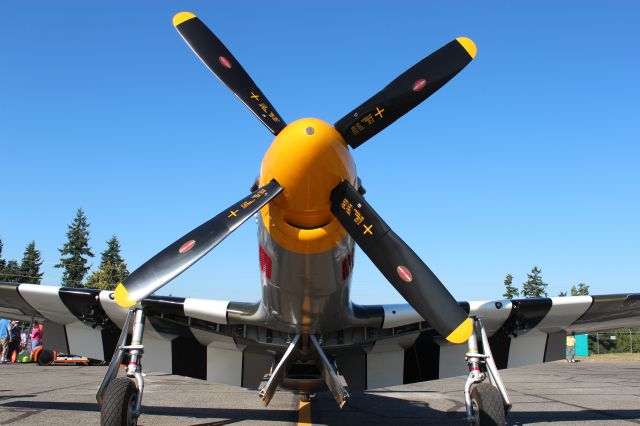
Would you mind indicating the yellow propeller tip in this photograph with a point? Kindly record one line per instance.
(468, 45)
(121, 296)
(462, 333)
(181, 17)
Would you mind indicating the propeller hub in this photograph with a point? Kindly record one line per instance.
(308, 158)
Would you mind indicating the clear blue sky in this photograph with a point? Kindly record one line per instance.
(528, 157)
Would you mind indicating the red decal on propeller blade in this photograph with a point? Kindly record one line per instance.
(419, 85)
(187, 246)
(224, 62)
(404, 273)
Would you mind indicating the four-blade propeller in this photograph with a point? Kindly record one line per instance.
(391, 255)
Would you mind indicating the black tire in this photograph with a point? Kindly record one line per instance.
(487, 405)
(119, 402)
(45, 357)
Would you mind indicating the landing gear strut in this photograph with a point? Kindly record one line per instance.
(120, 398)
(291, 365)
(486, 403)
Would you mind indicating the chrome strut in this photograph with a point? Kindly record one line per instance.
(116, 359)
(135, 350)
(277, 374)
(481, 366)
(492, 369)
(330, 375)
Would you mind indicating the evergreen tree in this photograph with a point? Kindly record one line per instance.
(510, 291)
(113, 269)
(534, 286)
(11, 272)
(562, 294)
(30, 266)
(581, 290)
(3, 263)
(77, 251)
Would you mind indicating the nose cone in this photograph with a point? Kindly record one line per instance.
(308, 158)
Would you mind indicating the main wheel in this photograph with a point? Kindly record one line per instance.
(119, 403)
(487, 405)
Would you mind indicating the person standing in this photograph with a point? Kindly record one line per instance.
(36, 336)
(14, 343)
(23, 338)
(5, 338)
(571, 348)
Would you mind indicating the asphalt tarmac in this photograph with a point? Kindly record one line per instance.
(555, 393)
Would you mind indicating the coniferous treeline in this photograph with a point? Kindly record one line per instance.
(535, 287)
(27, 271)
(74, 259)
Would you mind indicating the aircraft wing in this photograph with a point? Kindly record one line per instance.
(521, 331)
(189, 337)
(225, 342)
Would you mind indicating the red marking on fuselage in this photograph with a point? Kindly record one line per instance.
(419, 85)
(186, 246)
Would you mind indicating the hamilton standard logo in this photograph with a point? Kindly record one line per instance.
(186, 246)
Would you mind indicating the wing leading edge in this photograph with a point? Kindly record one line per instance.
(223, 342)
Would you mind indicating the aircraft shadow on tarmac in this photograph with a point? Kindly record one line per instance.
(362, 407)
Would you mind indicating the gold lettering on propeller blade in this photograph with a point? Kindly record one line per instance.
(356, 128)
(368, 120)
(357, 218)
(346, 206)
(259, 193)
(274, 117)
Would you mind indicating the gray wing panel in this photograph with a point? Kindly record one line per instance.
(13, 305)
(522, 332)
(608, 312)
(46, 300)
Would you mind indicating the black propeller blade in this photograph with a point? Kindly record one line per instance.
(400, 265)
(405, 92)
(224, 65)
(183, 253)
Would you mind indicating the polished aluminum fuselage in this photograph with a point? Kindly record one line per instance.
(307, 292)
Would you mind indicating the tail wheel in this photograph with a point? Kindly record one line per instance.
(119, 403)
(487, 405)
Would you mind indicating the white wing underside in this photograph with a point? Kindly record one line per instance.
(191, 337)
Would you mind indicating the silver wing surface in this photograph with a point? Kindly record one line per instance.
(521, 331)
(223, 341)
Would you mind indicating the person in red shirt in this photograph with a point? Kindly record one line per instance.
(36, 336)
